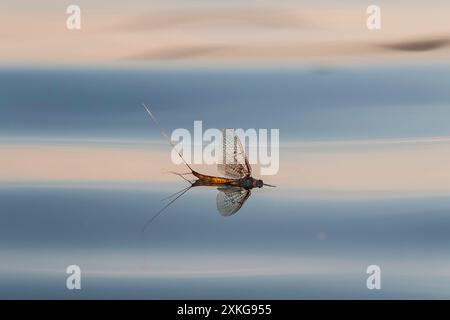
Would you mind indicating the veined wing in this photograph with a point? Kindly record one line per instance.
(234, 162)
(231, 199)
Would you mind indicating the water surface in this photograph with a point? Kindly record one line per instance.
(312, 237)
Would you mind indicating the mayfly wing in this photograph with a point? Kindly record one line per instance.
(230, 199)
(234, 162)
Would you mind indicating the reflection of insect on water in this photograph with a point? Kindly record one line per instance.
(234, 188)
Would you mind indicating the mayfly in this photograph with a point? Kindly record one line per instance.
(234, 188)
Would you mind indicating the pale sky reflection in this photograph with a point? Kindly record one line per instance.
(418, 167)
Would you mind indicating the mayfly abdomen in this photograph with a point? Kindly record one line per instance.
(213, 180)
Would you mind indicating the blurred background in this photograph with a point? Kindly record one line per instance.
(242, 32)
(364, 148)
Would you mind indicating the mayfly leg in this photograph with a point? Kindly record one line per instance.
(182, 175)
